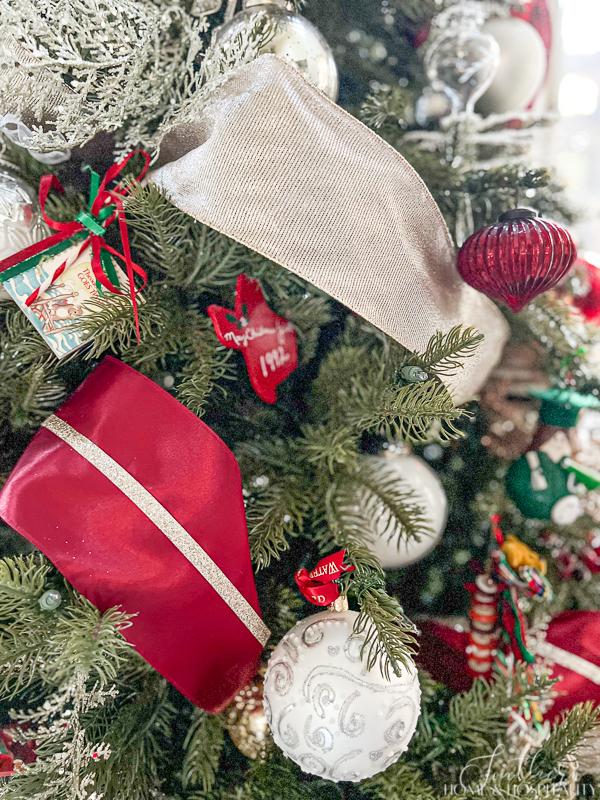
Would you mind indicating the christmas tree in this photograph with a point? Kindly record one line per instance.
(417, 461)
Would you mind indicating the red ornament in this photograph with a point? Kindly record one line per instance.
(518, 258)
(139, 504)
(589, 304)
(267, 341)
(537, 13)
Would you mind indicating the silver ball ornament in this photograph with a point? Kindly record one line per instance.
(20, 222)
(387, 542)
(293, 38)
(329, 714)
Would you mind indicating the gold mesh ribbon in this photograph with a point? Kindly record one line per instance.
(164, 521)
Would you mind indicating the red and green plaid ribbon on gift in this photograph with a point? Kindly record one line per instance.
(105, 206)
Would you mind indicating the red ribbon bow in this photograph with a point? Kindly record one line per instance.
(106, 206)
(318, 586)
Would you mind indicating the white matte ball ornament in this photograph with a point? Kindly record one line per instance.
(326, 712)
(522, 69)
(293, 38)
(393, 550)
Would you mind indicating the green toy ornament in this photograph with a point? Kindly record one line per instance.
(548, 483)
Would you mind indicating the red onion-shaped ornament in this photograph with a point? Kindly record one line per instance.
(518, 258)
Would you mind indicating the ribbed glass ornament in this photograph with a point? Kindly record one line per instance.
(518, 258)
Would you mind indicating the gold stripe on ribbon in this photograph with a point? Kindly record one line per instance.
(570, 661)
(164, 521)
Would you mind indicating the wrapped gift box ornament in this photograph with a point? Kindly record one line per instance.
(139, 504)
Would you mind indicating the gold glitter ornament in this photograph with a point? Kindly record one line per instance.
(246, 722)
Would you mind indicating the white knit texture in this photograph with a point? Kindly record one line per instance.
(274, 164)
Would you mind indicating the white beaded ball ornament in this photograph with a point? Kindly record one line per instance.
(329, 714)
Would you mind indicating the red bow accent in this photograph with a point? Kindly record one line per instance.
(107, 200)
(318, 586)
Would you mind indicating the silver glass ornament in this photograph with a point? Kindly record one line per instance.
(20, 222)
(22, 135)
(50, 600)
(202, 8)
(461, 59)
(291, 36)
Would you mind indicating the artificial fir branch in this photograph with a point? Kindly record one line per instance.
(49, 647)
(202, 751)
(371, 493)
(137, 725)
(275, 513)
(67, 757)
(567, 734)
(445, 352)
(400, 781)
(408, 413)
(110, 326)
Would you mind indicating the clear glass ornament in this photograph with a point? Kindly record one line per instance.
(20, 134)
(461, 59)
(293, 37)
(20, 222)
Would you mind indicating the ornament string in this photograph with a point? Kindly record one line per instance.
(88, 229)
(320, 586)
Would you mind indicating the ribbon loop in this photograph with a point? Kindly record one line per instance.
(319, 586)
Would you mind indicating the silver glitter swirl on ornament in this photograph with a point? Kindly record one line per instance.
(319, 739)
(288, 735)
(336, 772)
(313, 634)
(312, 764)
(283, 677)
(267, 710)
(353, 647)
(291, 649)
(323, 696)
(350, 723)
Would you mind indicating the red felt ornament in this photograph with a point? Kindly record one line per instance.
(266, 340)
(518, 258)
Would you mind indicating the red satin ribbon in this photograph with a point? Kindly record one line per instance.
(65, 230)
(318, 586)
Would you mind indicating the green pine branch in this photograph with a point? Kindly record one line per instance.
(275, 514)
(372, 502)
(446, 352)
(408, 413)
(202, 751)
(400, 781)
(137, 726)
(567, 735)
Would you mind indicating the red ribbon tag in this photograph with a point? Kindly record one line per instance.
(318, 585)
(267, 341)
